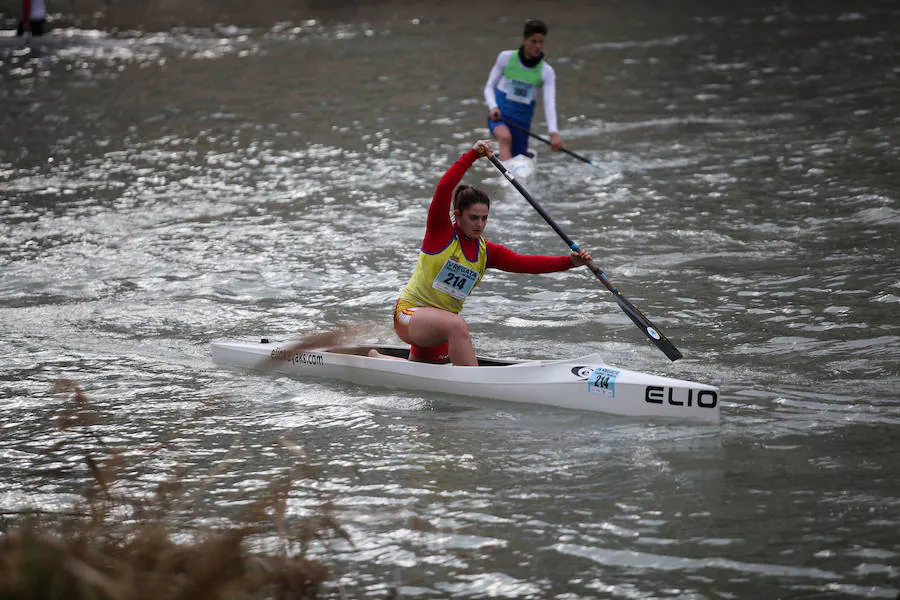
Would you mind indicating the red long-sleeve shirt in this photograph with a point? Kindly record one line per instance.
(439, 230)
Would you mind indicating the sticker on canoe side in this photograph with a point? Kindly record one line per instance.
(582, 372)
(304, 358)
(603, 381)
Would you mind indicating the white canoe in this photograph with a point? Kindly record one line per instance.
(521, 166)
(583, 383)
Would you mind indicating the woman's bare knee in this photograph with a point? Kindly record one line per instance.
(459, 330)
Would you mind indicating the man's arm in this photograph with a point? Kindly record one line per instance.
(490, 88)
(549, 87)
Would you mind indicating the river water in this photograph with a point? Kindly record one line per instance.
(162, 186)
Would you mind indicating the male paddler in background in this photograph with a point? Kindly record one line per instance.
(512, 89)
(34, 17)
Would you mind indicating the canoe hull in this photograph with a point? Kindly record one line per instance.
(583, 383)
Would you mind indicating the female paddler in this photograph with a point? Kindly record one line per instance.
(453, 259)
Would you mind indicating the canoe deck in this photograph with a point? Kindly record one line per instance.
(582, 383)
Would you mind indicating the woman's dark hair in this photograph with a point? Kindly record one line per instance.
(533, 26)
(465, 196)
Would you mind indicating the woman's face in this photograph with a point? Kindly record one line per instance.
(473, 220)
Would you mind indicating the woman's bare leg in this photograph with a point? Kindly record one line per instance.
(433, 326)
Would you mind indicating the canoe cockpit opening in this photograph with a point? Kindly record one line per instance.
(398, 352)
(495, 362)
(365, 351)
(402, 352)
(395, 352)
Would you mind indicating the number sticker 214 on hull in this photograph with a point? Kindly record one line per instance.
(603, 381)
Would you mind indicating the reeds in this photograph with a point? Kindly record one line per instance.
(116, 545)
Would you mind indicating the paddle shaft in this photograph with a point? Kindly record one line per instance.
(637, 317)
(549, 143)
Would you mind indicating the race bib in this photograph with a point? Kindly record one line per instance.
(519, 91)
(603, 381)
(455, 279)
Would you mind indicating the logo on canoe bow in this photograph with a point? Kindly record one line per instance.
(582, 372)
(653, 333)
(657, 394)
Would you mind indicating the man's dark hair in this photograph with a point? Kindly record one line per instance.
(533, 26)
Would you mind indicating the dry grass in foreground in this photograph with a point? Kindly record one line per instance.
(113, 546)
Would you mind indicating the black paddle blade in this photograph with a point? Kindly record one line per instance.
(650, 330)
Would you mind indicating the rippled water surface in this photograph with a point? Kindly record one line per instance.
(163, 187)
